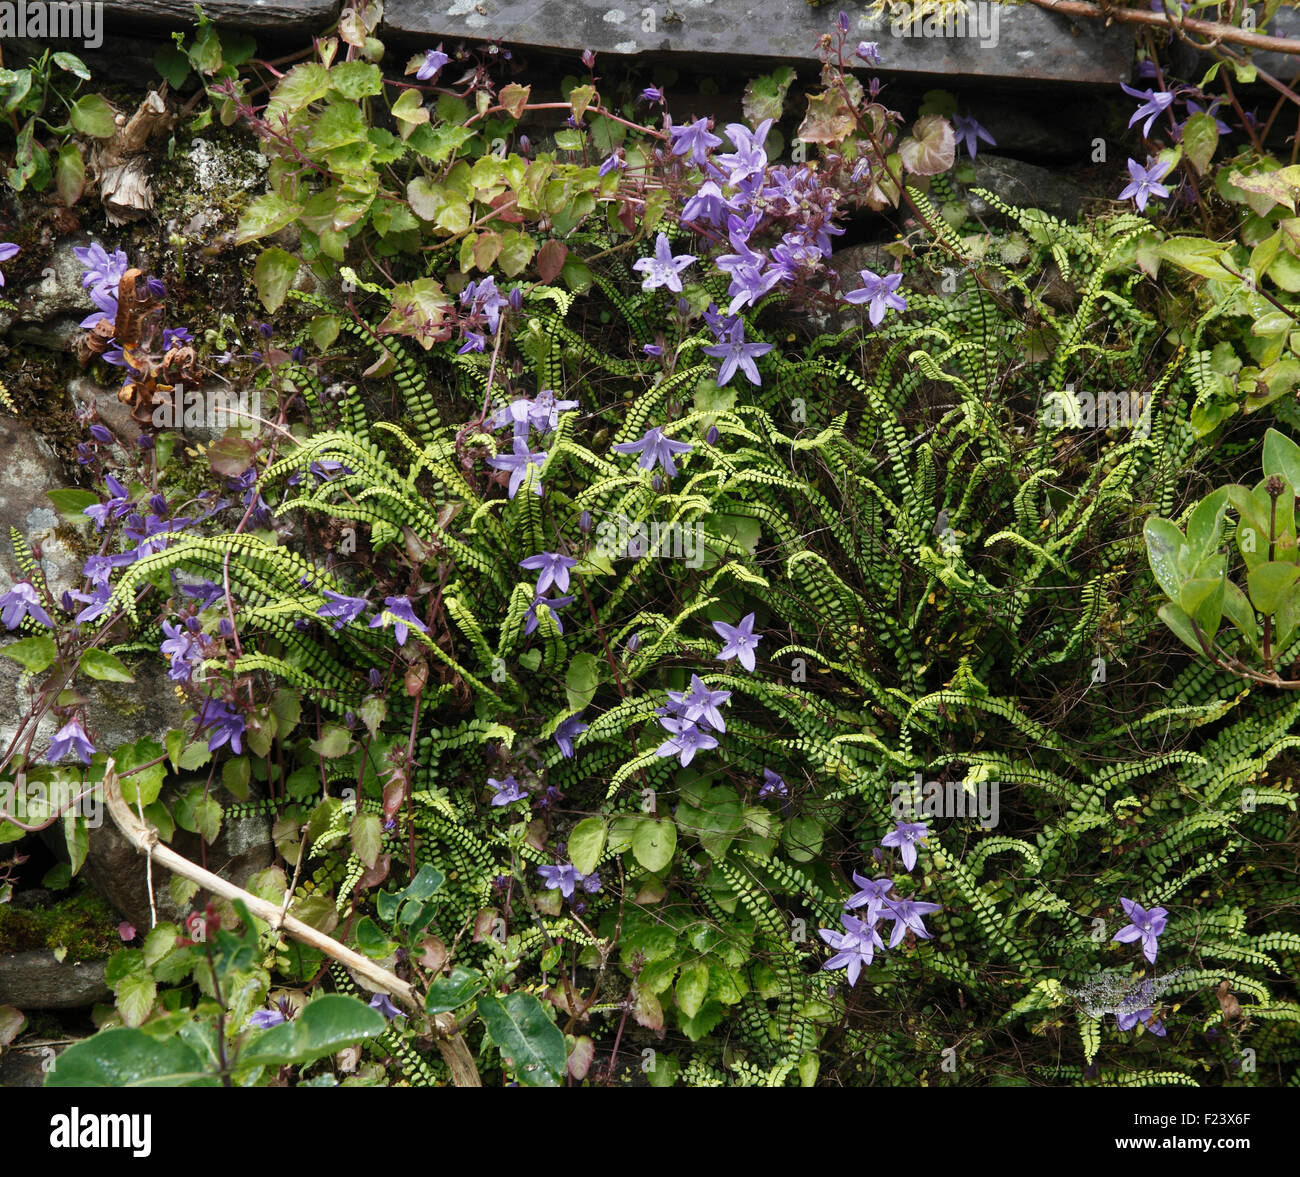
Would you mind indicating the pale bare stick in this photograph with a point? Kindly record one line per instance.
(455, 1051)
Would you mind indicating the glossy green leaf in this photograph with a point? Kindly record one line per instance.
(692, 988)
(1181, 624)
(1165, 548)
(324, 1026)
(126, 1057)
(1268, 582)
(92, 115)
(452, 991)
(531, 1045)
(654, 842)
(267, 214)
(586, 844)
(35, 653)
(101, 664)
(273, 274)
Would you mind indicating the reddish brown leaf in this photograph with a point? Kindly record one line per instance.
(550, 260)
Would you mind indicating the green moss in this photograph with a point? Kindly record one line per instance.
(82, 923)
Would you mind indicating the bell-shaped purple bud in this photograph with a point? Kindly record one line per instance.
(584, 523)
(712, 436)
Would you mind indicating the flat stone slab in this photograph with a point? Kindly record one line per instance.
(122, 17)
(991, 42)
(36, 980)
(1283, 66)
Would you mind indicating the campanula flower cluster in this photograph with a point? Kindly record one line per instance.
(875, 903)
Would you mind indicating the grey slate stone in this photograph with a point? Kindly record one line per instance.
(1284, 66)
(1030, 43)
(1026, 185)
(36, 980)
(121, 16)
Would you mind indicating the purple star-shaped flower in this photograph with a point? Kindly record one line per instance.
(708, 206)
(117, 505)
(554, 604)
(654, 448)
(685, 740)
(507, 790)
(384, 1005)
(7, 250)
(103, 270)
(1144, 182)
(565, 733)
(1154, 104)
(695, 139)
(96, 602)
(397, 613)
(553, 569)
(227, 725)
(483, 298)
(968, 130)
(773, 785)
(1143, 925)
(1126, 1021)
(519, 462)
(701, 704)
(434, 60)
(736, 353)
(854, 947)
(740, 641)
(71, 737)
(905, 835)
(663, 269)
(880, 293)
(562, 877)
(871, 894)
(184, 651)
(518, 413)
(264, 1019)
(19, 602)
(869, 51)
(342, 609)
(544, 412)
(906, 914)
(106, 308)
(749, 159)
(206, 592)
